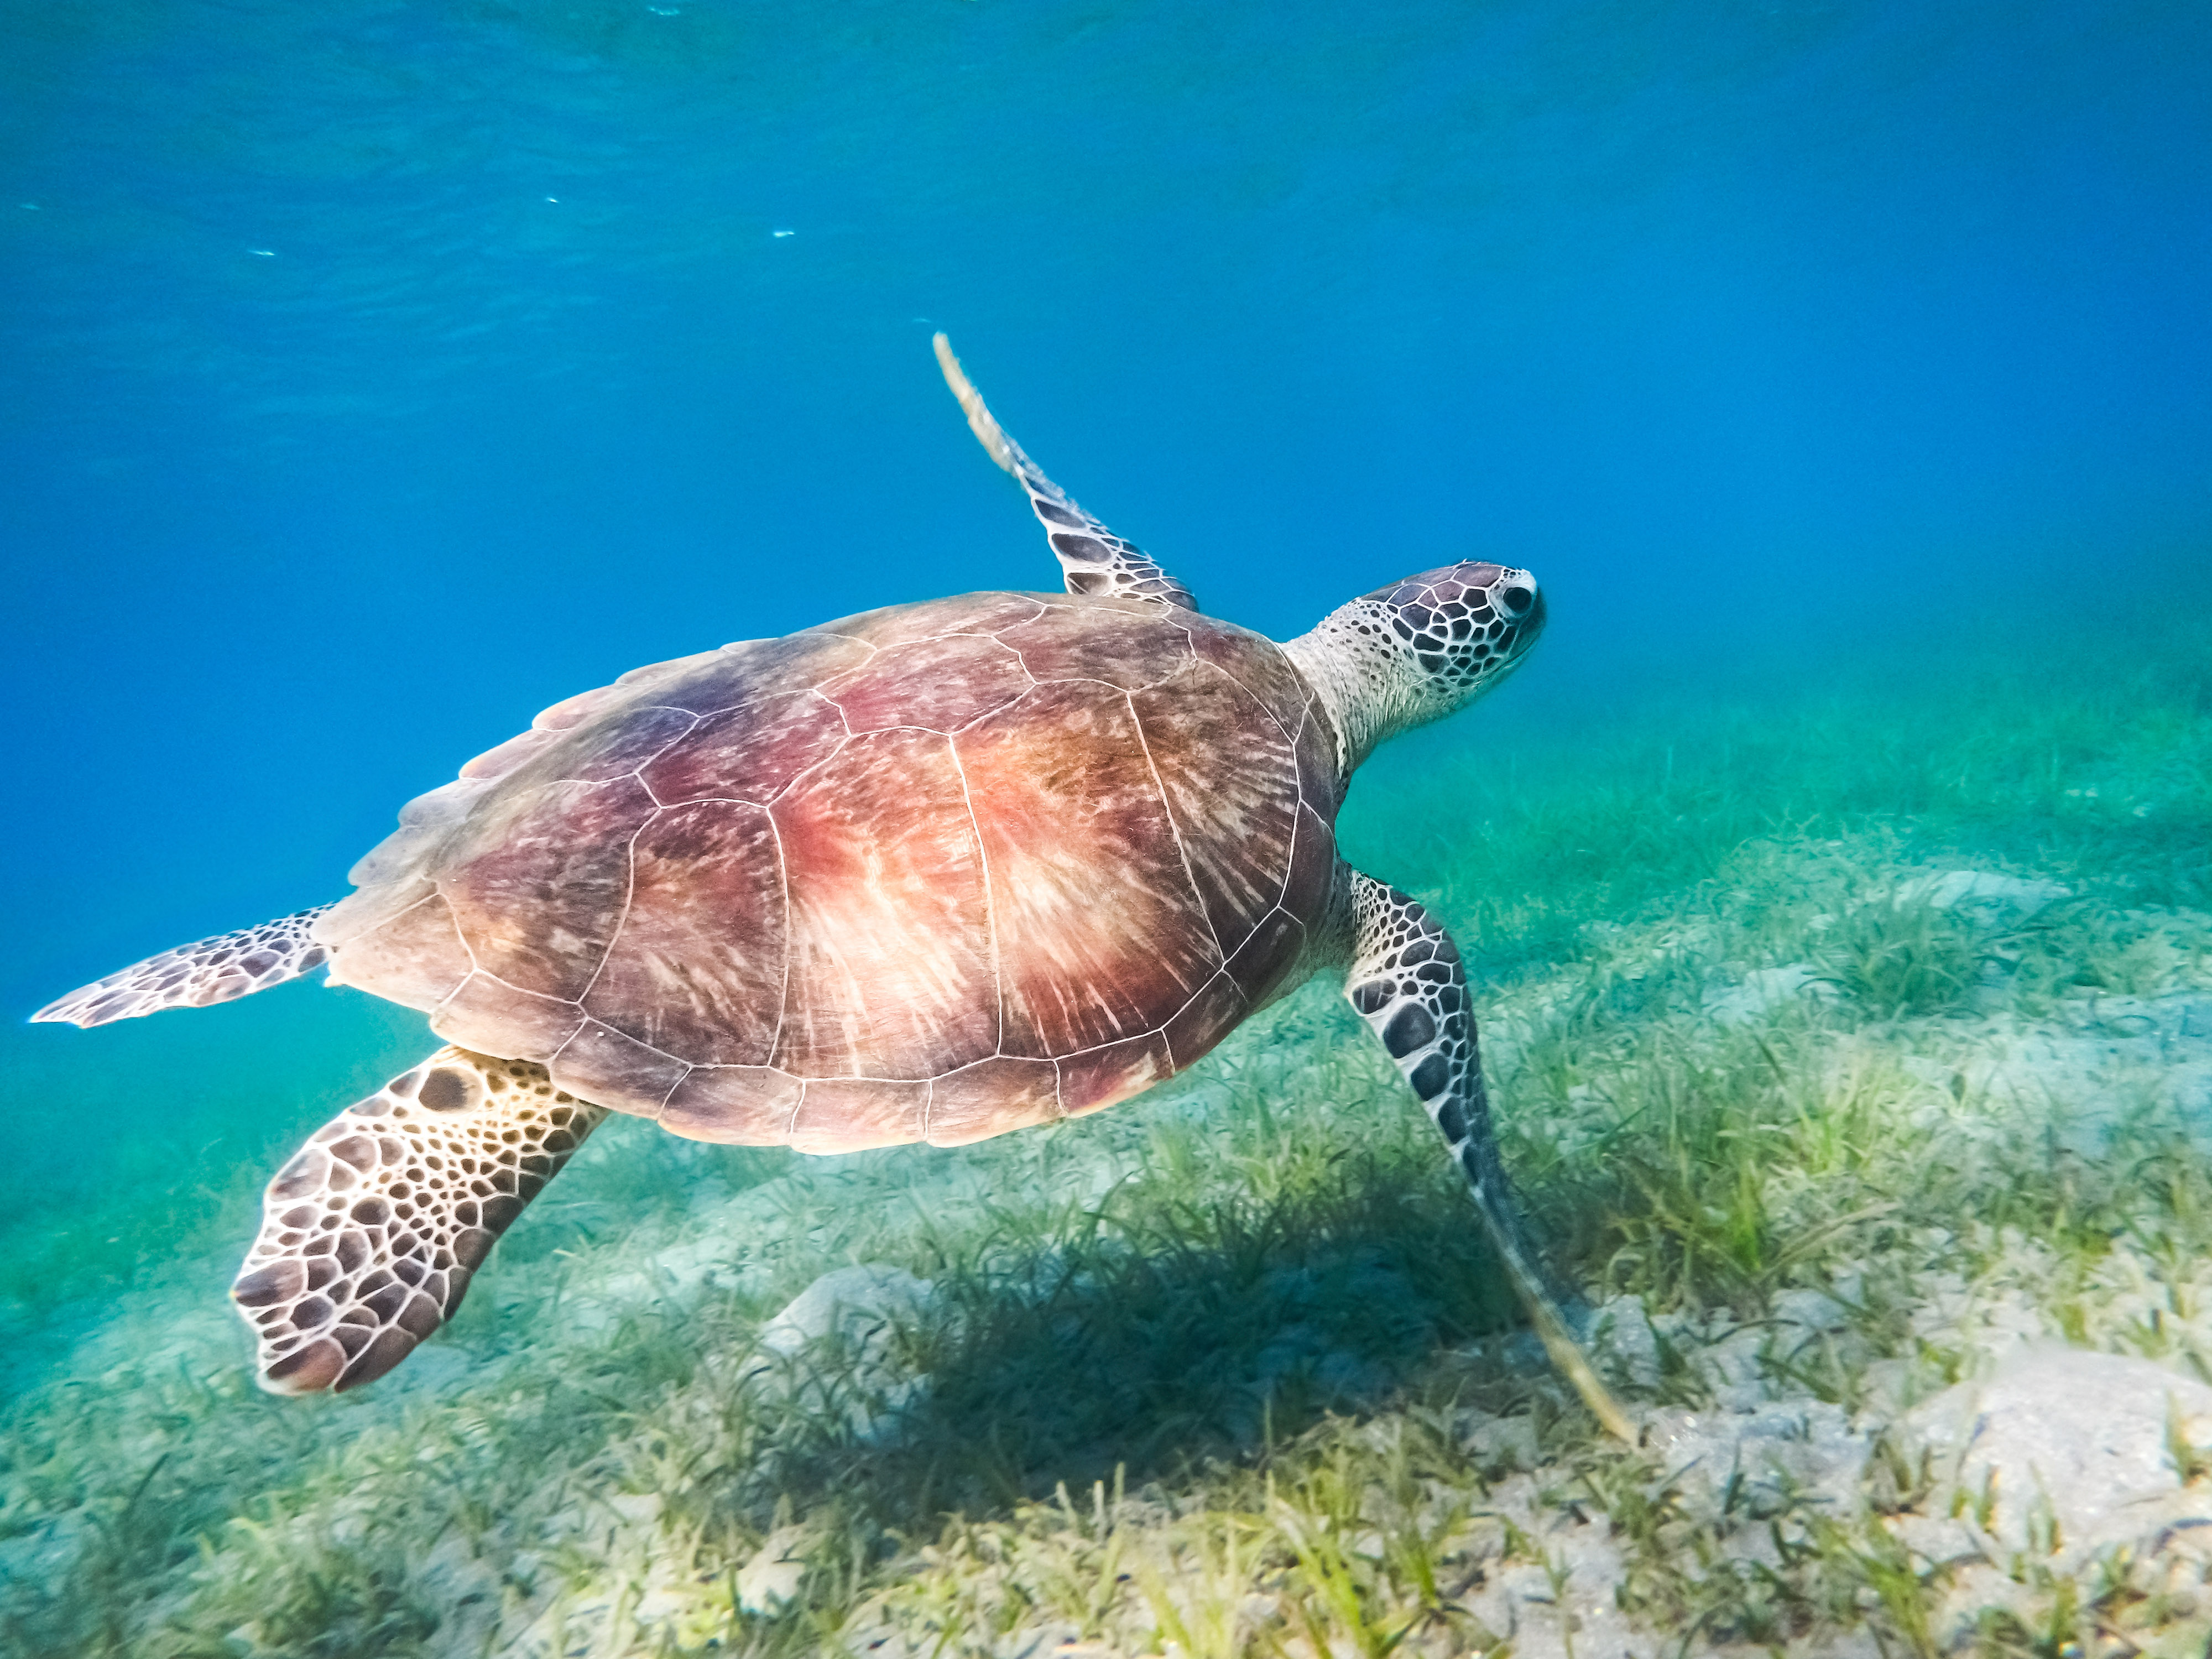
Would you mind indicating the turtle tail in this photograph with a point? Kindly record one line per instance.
(193, 975)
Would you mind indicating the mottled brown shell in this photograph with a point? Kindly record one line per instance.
(933, 873)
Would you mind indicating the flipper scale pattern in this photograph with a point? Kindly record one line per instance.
(195, 975)
(1093, 560)
(371, 1233)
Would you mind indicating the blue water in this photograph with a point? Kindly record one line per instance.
(380, 372)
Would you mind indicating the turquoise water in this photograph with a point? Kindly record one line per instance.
(385, 373)
(382, 373)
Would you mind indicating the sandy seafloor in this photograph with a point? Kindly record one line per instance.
(1834, 876)
(1877, 1140)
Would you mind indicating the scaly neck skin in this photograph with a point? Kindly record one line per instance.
(1362, 679)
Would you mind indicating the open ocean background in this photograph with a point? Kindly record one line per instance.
(378, 373)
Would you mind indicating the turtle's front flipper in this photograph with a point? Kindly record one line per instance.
(1407, 982)
(1093, 559)
(193, 975)
(369, 1235)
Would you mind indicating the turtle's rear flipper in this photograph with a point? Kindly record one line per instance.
(193, 975)
(370, 1235)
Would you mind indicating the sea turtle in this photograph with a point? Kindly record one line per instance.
(931, 872)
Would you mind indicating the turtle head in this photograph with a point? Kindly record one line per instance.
(1419, 648)
(1458, 630)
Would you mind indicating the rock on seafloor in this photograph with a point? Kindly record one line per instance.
(2062, 1454)
(835, 1347)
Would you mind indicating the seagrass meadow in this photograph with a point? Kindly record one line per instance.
(1833, 876)
(1847, 1044)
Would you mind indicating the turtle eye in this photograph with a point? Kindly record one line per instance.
(1517, 598)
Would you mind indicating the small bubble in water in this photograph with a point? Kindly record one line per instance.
(780, 234)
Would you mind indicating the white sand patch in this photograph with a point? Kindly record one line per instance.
(1981, 890)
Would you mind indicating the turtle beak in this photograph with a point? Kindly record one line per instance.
(1521, 602)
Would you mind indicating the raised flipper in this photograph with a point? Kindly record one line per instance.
(370, 1235)
(1407, 982)
(194, 976)
(1092, 557)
